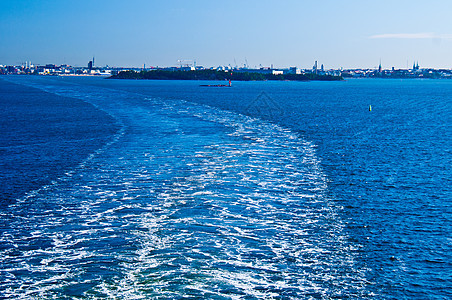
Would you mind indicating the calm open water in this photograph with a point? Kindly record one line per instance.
(267, 190)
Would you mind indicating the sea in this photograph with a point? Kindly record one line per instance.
(143, 189)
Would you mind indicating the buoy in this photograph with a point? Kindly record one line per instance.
(370, 107)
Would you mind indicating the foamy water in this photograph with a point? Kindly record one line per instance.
(185, 200)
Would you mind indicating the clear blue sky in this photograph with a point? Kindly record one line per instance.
(346, 33)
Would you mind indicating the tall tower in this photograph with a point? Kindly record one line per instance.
(379, 67)
(93, 60)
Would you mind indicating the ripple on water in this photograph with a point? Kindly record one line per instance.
(238, 211)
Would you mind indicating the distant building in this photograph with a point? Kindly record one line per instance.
(292, 70)
(187, 68)
(259, 71)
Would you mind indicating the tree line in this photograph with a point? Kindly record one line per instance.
(219, 75)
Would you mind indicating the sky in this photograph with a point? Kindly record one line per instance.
(283, 33)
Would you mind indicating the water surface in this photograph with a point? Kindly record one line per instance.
(165, 189)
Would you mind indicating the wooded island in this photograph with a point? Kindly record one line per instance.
(220, 75)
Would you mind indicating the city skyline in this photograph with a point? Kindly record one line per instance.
(348, 34)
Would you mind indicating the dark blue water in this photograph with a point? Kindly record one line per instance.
(165, 189)
(43, 136)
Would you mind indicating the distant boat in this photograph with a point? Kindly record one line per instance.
(218, 85)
